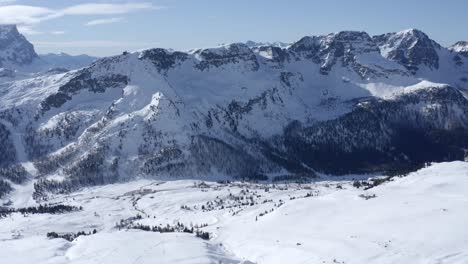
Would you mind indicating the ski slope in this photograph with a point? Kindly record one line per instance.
(420, 218)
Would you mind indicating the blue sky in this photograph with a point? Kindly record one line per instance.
(106, 27)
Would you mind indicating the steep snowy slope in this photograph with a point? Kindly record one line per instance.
(340, 103)
(417, 219)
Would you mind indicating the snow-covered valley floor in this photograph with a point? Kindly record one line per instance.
(420, 218)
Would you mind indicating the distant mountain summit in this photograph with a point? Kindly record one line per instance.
(460, 47)
(64, 60)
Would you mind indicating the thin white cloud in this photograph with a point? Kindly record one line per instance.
(27, 30)
(32, 15)
(104, 21)
(107, 9)
(23, 15)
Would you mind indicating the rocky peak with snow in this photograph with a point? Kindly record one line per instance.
(460, 47)
(226, 54)
(15, 49)
(20, 60)
(163, 59)
(353, 40)
(411, 48)
(345, 48)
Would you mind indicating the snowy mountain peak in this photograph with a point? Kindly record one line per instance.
(460, 47)
(226, 54)
(340, 42)
(15, 49)
(357, 41)
(345, 48)
(413, 32)
(412, 48)
(349, 35)
(19, 60)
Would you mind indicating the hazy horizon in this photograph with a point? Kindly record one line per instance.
(108, 27)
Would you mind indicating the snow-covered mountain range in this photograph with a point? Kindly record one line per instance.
(339, 103)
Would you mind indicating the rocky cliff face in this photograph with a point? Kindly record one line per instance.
(340, 103)
(19, 60)
(410, 48)
(15, 49)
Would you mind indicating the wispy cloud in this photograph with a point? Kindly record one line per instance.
(28, 16)
(57, 32)
(107, 9)
(23, 15)
(104, 21)
(27, 30)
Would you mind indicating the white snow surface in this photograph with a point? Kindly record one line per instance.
(420, 218)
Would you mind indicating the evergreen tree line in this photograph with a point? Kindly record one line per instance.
(69, 236)
(40, 209)
(16, 174)
(398, 171)
(179, 228)
(8, 153)
(5, 188)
